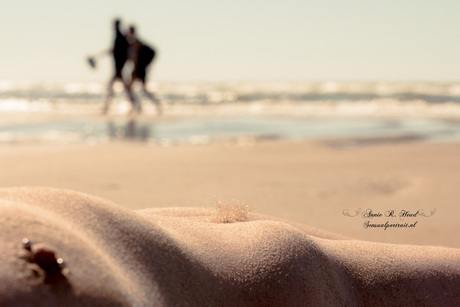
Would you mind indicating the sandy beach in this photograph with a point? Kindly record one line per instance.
(218, 154)
(306, 182)
(267, 223)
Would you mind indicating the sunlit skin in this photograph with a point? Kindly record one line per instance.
(82, 250)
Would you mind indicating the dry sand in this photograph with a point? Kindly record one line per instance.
(305, 182)
(177, 248)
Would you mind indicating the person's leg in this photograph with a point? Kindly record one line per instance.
(135, 103)
(151, 96)
(129, 92)
(118, 68)
(109, 96)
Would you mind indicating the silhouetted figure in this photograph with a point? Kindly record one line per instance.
(141, 55)
(120, 56)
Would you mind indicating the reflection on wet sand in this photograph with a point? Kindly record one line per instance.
(131, 130)
(204, 130)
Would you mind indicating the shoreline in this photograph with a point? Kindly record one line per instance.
(173, 130)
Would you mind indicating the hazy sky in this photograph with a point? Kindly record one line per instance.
(238, 40)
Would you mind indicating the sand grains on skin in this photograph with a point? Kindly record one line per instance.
(176, 256)
(230, 212)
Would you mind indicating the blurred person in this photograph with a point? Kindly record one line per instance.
(141, 56)
(119, 52)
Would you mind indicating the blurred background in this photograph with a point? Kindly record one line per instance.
(282, 61)
(373, 87)
(202, 40)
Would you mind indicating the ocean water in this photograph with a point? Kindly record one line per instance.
(357, 113)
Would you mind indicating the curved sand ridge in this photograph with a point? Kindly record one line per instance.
(167, 257)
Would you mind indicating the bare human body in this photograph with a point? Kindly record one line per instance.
(85, 251)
